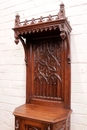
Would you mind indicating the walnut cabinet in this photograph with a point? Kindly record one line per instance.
(46, 42)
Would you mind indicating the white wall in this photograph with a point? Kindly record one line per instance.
(12, 66)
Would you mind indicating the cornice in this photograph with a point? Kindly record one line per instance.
(51, 22)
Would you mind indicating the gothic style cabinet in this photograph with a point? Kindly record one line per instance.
(46, 42)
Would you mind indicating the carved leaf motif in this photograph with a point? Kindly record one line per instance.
(17, 124)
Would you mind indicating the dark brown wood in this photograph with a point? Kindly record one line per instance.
(46, 42)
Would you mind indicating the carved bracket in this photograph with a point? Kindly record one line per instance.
(25, 48)
(64, 34)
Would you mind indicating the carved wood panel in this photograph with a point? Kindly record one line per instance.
(27, 127)
(60, 126)
(17, 123)
(47, 82)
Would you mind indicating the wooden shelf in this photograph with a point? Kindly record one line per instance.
(41, 113)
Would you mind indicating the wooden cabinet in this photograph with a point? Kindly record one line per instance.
(46, 42)
(30, 116)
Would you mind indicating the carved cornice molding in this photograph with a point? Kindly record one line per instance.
(41, 24)
(50, 23)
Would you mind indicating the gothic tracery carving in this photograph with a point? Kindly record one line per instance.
(47, 60)
(31, 127)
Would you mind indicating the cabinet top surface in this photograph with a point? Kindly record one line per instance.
(40, 113)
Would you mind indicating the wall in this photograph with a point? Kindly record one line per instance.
(12, 66)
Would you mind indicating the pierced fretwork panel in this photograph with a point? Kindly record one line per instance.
(47, 69)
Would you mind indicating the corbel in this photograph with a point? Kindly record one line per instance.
(18, 37)
(25, 48)
(64, 32)
(64, 36)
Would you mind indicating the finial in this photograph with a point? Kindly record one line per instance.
(62, 11)
(17, 20)
(17, 15)
(62, 4)
(33, 21)
(49, 18)
(41, 19)
(16, 40)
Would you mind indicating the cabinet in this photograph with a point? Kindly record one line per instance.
(46, 42)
